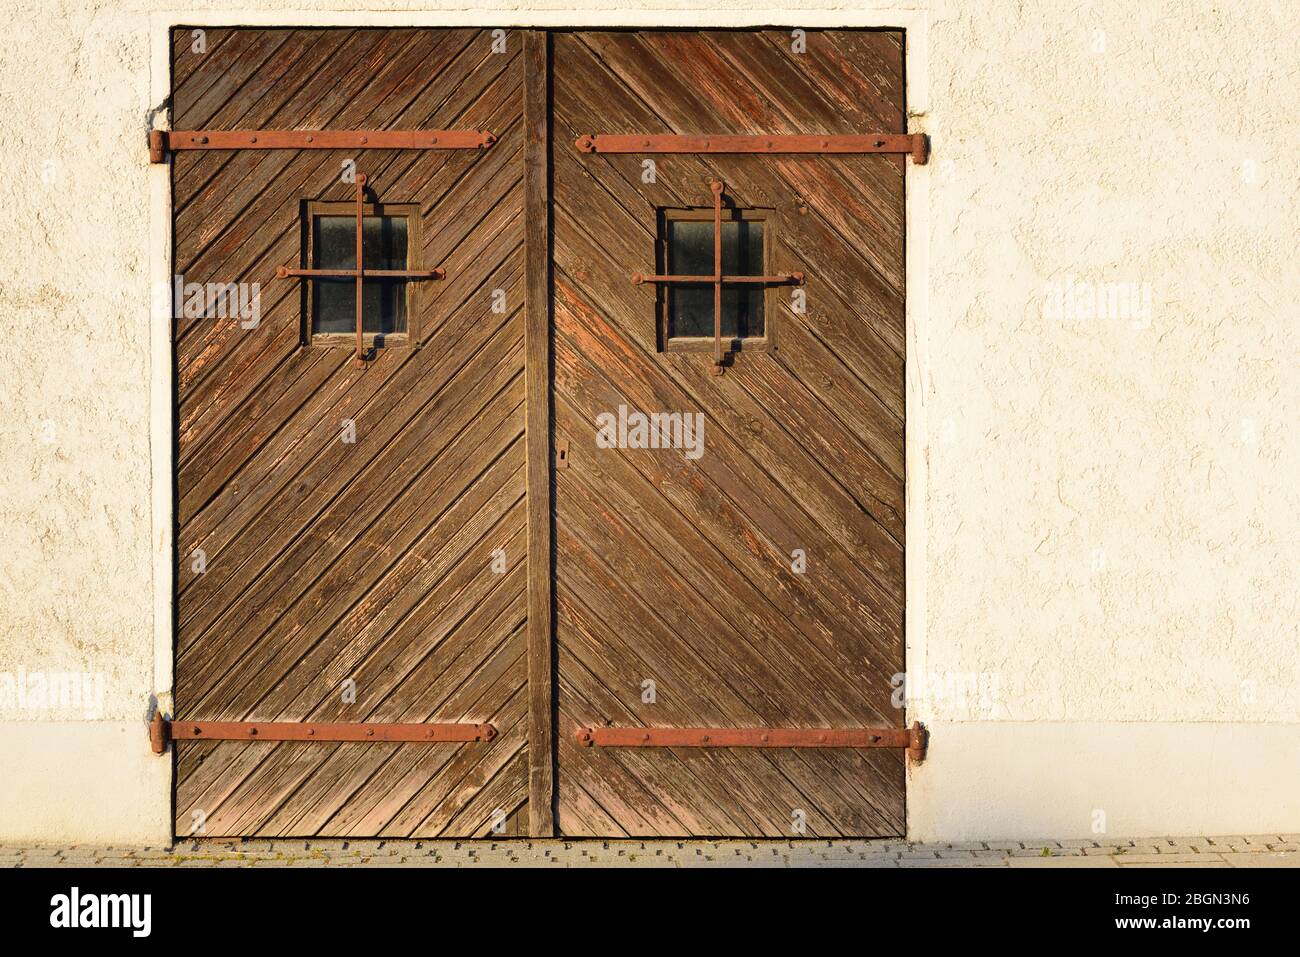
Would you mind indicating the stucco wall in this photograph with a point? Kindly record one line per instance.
(1103, 505)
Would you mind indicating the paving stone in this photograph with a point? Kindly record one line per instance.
(1207, 862)
(951, 862)
(1266, 859)
(1247, 851)
(1080, 861)
(1167, 858)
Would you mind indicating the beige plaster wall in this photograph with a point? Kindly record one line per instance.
(1103, 513)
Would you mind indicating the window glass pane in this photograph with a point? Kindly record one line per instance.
(690, 253)
(383, 300)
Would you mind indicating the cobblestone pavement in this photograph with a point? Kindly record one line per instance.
(1261, 850)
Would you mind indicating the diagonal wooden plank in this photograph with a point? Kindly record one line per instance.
(330, 585)
(360, 398)
(766, 668)
(681, 381)
(693, 804)
(784, 470)
(363, 781)
(377, 454)
(626, 107)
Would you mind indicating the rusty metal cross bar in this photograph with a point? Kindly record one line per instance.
(914, 739)
(718, 279)
(162, 142)
(360, 273)
(917, 145)
(162, 730)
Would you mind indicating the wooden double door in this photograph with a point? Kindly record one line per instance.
(527, 497)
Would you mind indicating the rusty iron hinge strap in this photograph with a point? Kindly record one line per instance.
(162, 142)
(915, 739)
(917, 145)
(161, 730)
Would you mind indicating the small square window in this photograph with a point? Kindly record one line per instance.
(686, 249)
(388, 242)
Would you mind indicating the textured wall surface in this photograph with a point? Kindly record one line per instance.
(1103, 402)
(1113, 501)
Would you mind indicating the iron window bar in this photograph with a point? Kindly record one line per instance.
(718, 279)
(360, 273)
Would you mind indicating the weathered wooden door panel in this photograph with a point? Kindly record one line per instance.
(349, 520)
(353, 541)
(678, 602)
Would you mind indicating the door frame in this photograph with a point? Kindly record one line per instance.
(158, 257)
